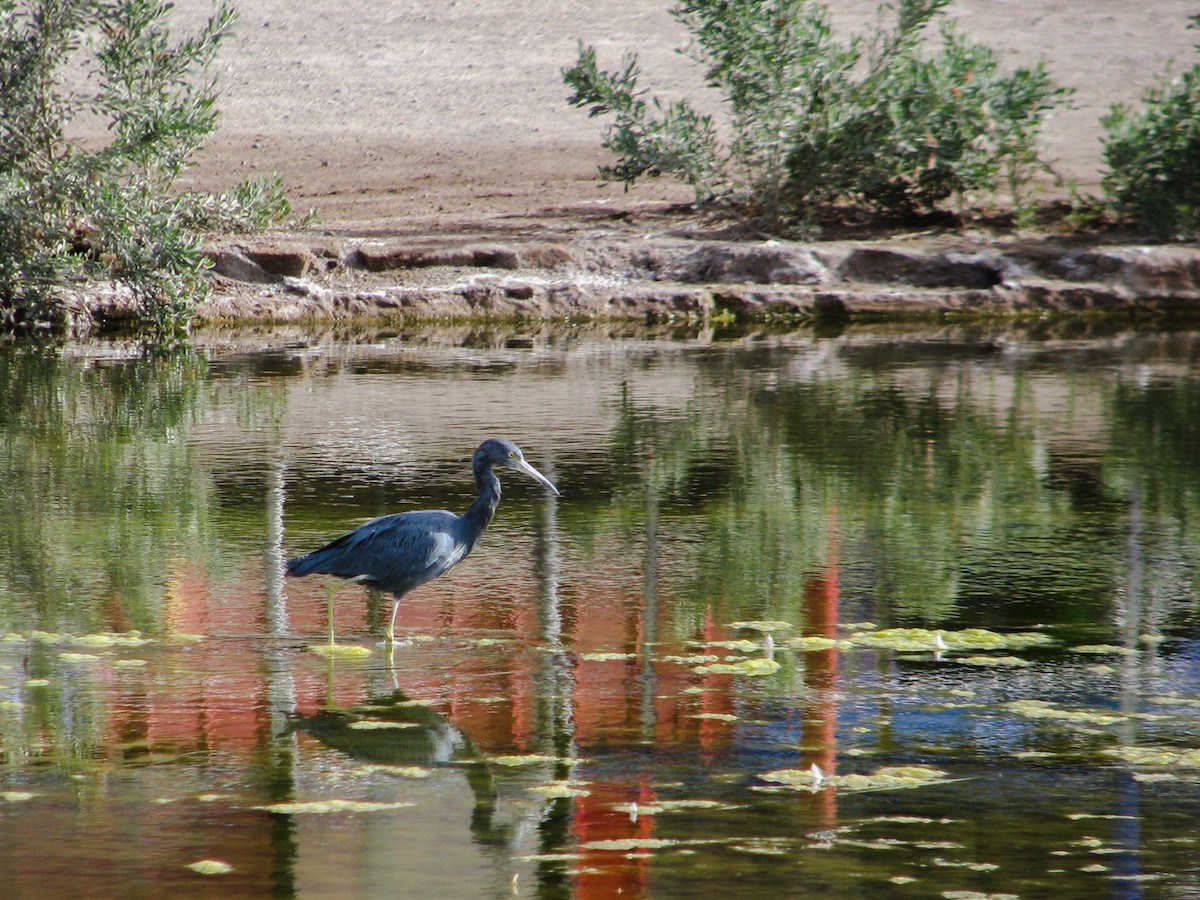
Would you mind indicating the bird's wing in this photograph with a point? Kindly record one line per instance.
(401, 551)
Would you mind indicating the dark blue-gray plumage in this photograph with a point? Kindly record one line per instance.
(402, 551)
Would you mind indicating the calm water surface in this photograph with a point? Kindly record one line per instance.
(859, 615)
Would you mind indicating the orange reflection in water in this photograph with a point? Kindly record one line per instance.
(488, 673)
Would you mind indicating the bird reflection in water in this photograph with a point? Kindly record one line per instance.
(419, 737)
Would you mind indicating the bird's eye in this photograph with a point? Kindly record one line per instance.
(512, 454)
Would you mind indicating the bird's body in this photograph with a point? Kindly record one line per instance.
(402, 551)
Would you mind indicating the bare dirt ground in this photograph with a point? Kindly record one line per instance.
(385, 115)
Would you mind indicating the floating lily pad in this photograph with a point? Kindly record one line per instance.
(78, 657)
(129, 663)
(719, 717)
(605, 657)
(37, 682)
(744, 645)
(331, 806)
(16, 796)
(210, 867)
(380, 725)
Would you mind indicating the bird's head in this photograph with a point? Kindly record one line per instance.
(502, 452)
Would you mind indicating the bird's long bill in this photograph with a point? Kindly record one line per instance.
(537, 476)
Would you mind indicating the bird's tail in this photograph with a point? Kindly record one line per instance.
(305, 565)
(322, 561)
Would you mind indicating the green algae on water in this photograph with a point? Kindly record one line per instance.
(763, 626)
(340, 651)
(1103, 649)
(533, 759)
(751, 667)
(1166, 757)
(331, 806)
(913, 639)
(558, 790)
(884, 779)
(1012, 662)
(210, 867)
(1042, 709)
(816, 643)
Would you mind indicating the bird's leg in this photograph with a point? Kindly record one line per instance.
(391, 629)
(332, 649)
(329, 609)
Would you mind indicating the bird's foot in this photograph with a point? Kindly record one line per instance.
(340, 651)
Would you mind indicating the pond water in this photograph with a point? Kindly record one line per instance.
(869, 613)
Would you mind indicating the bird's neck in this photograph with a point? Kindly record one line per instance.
(487, 498)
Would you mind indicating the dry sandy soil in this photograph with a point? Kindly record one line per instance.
(384, 114)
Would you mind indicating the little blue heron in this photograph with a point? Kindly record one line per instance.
(402, 551)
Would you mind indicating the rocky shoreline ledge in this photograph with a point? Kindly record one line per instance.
(623, 270)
